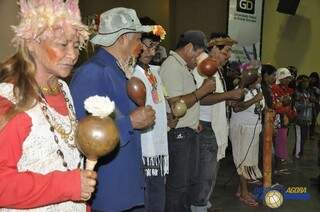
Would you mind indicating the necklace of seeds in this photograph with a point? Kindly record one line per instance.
(53, 129)
(61, 155)
(66, 135)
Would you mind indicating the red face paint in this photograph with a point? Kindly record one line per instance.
(137, 50)
(52, 54)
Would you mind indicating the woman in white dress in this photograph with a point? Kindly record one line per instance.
(245, 127)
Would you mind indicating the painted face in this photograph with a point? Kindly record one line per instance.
(57, 54)
(149, 49)
(133, 45)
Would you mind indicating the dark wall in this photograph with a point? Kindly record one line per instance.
(206, 15)
(175, 15)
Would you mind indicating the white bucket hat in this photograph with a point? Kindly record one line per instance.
(116, 22)
(282, 73)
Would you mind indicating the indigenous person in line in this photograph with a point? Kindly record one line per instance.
(294, 73)
(154, 141)
(268, 74)
(314, 89)
(303, 105)
(268, 78)
(282, 104)
(245, 127)
(121, 173)
(40, 164)
(213, 139)
(178, 80)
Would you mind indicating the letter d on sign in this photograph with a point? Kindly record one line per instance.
(246, 6)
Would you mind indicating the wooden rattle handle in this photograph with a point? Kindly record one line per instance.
(90, 164)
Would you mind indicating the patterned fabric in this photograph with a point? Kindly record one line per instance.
(7, 92)
(284, 112)
(280, 91)
(39, 150)
(304, 107)
(154, 141)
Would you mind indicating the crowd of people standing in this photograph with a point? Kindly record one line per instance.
(163, 162)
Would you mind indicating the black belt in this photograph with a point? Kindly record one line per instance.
(205, 123)
(181, 129)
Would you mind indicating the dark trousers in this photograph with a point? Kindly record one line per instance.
(208, 167)
(154, 199)
(183, 154)
(135, 209)
(155, 194)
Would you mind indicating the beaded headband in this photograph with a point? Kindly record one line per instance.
(222, 41)
(39, 18)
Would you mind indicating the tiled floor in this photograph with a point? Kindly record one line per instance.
(301, 170)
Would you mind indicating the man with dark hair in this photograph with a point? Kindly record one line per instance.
(303, 105)
(293, 70)
(160, 52)
(183, 149)
(268, 74)
(222, 42)
(294, 73)
(213, 139)
(154, 142)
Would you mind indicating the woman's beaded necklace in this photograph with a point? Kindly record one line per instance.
(57, 128)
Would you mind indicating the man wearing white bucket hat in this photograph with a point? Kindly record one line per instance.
(116, 22)
(120, 174)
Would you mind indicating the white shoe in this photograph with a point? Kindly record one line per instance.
(209, 205)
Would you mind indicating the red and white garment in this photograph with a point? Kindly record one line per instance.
(34, 172)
